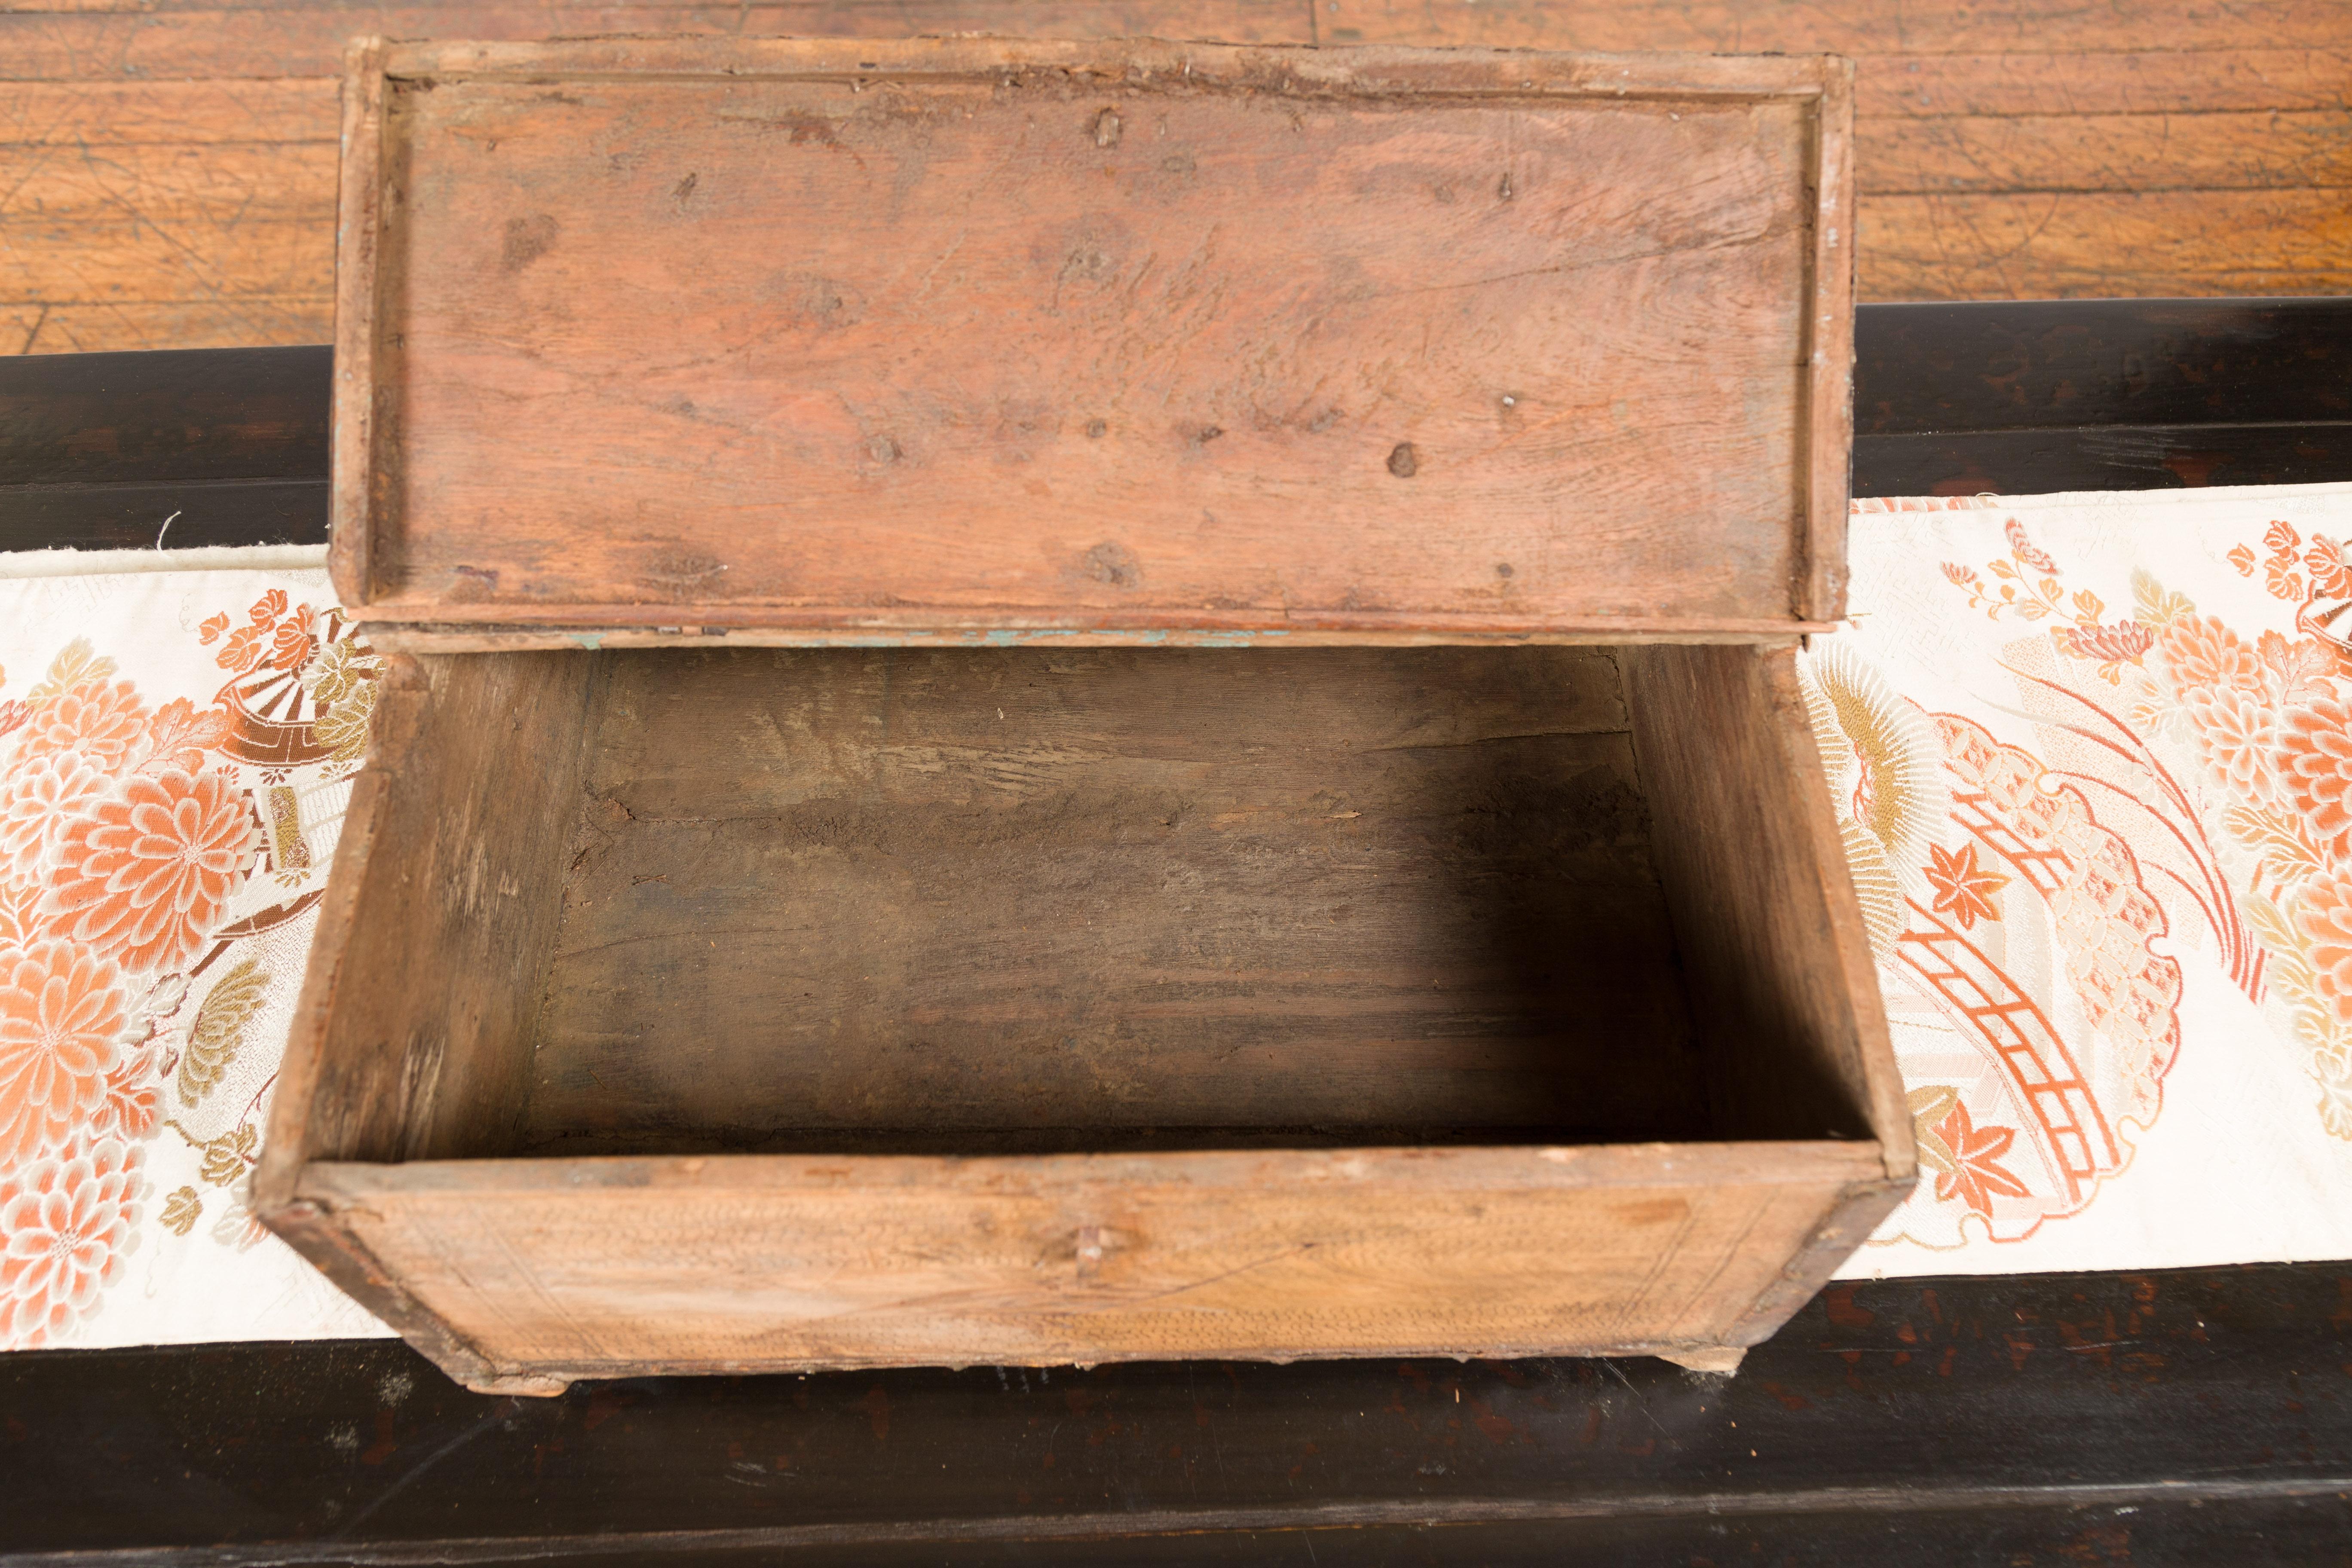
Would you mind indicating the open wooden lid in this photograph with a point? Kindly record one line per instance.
(980, 338)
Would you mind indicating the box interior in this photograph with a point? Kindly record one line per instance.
(1021, 901)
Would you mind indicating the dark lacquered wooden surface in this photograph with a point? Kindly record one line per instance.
(2101, 394)
(2150, 1419)
(100, 451)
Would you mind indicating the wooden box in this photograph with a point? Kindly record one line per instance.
(921, 956)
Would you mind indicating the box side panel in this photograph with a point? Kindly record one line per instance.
(769, 349)
(413, 1036)
(1771, 935)
(357, 374)
(849, 1263)
(1829, 414)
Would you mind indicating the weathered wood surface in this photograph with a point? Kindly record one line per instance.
(1013, 899)
(1769, 930)
(568, 1269)
(2030, 149)
(2181, 1418)
(1522, 353)
(1196, 916)
(412, 1037)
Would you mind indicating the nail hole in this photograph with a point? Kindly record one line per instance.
(1405, 462)
(1095, 428)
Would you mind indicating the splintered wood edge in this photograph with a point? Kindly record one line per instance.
(1829, 403)
(359, 216)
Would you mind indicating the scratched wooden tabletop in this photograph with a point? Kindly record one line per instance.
(167, 167)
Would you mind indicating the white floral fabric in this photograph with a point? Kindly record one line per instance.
(175, 750)
(2093, 760)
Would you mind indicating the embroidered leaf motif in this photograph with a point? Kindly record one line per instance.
(2155, 604)
(76, 663)
(268, 607)
(2023, 548)
(340, 671)
(342, 729)
(179, 733)
(227, 1156)
(181, 1211)
(1977, 1176)
(243, 650)
(2288, 853)
(218, 1032)
(2324, 562)
(2289, 971)
(212, 627)
(2336, 1098)
(1963, 889)
(2243, 560)
(291, 647)
(2282, 539)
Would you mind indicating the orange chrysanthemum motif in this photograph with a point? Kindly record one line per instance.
(2324, 910)
(142, 876)
(62, 1022)
(2203, 652)
(101, 722)
(2234, 729)
(66, 1223)
(2312, 754)
(36, 801)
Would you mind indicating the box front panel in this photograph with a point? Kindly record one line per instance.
(1312, 1256)
(1035, 350)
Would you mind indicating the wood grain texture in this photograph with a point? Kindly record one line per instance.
(303, 40)
(2155, 80)
(66, 116)
(411, 1036)
(1087, 397)
(2072, 154)
(2098, 244)
(571, 1268)
(914, 920)
(2116, 96)
(1008, 900)
(1861, 27)
(1749, 853)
